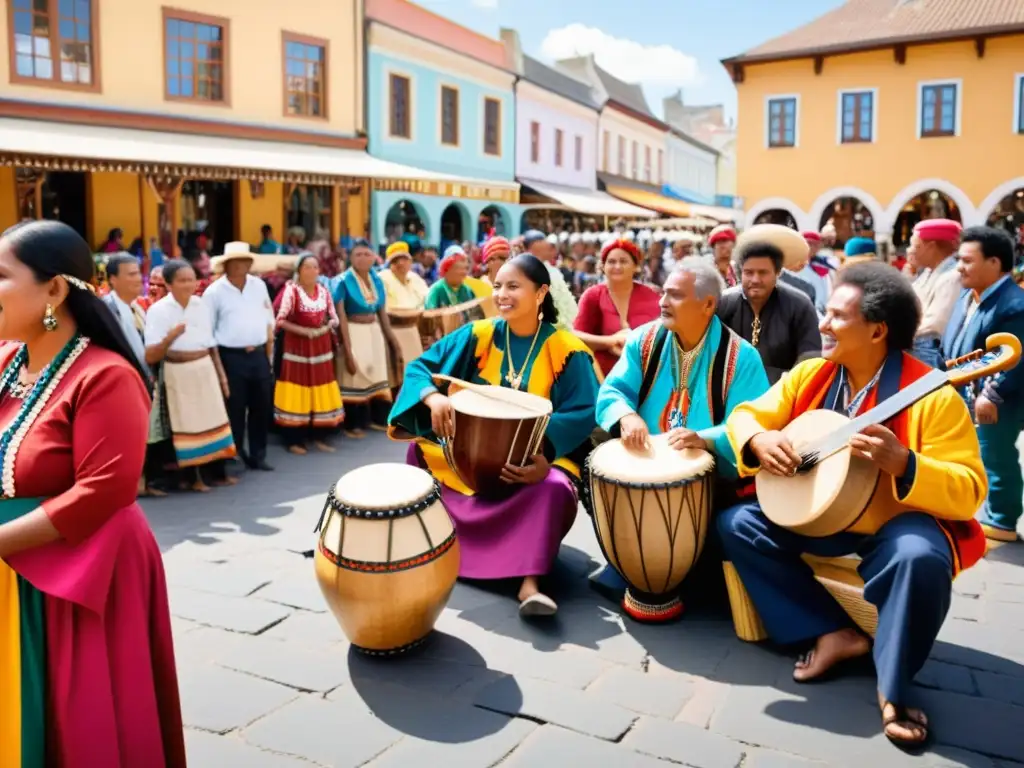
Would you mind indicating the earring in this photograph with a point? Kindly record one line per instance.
(49, 319)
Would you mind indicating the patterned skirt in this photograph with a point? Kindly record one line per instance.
(307, 392)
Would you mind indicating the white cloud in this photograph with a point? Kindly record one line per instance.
(488, 4)
(626, 59)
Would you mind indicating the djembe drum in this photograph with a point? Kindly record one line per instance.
(494, 426)
(387, 556)
(437, 323)
(651, 512)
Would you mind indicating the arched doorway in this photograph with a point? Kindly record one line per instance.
(776, 216)
(454, 225)
(491, 217)
(1009, 213)
(850, 217)
(404, 217)
(932, 204)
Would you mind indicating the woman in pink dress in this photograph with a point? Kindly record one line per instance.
(609, 310)
(87, 674)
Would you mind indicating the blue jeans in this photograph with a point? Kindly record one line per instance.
(1004, 505)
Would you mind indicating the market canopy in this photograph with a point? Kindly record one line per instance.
(587, 201)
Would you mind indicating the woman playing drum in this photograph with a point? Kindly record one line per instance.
(518, 536)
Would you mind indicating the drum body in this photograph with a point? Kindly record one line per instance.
(435, 323)
(494, 426)
(651, 513)
(387, 556)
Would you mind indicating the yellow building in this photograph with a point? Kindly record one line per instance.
(221, 115)
(883, 112)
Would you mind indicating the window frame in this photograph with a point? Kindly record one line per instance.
(559, 147)
(441, 88)
(95, 86)
(622, 155)
(324, 45)
(577, 150)
(661, 166)
(168, 13)
(390, 74)
(499, 134)
(606, 149)
(841, 95)
(634, 166)
(768, 100)
(958, 104)
(648, 167)
(535, 142)
(1018, 104)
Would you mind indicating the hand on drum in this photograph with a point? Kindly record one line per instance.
(531, 474)
(775, 453)
(442, 417)
(634, 433)
(682, 439)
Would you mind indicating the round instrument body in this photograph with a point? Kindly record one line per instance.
(436, 323)
(830, 497)
(651, 514)
(494, 426)
(387, 556)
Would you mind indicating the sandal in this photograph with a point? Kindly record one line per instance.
(911, 720)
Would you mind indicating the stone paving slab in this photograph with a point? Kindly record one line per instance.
(233, 613)
(207, 749)
(553, 747)
(221, 700)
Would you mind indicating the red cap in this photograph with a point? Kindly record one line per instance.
(721, 234)
(623, 245)
(811, 235)
(495, 245)
(938, 230)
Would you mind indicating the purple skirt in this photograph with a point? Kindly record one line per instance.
(515, 537)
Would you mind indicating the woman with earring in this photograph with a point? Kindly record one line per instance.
(609, 310)
(517, 537)
(87, 674)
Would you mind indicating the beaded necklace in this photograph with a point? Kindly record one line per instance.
(682, 364)
(368, 289)
(32, 405)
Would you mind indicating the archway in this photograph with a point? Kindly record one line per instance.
(852, 211)
(404, 217)
(776, 216)
(965, 209)
(492, 217)
(1004, 207)
(455, 226)
(777, 209)
(931, 204)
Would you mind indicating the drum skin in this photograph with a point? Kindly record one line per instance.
(386, 579)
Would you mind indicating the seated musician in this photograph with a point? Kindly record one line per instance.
(682, 374)
(517, 537)
(931, 464)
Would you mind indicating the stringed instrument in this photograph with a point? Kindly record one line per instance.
(832, 488)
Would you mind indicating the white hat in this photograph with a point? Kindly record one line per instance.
(792, 244)
(262, 263)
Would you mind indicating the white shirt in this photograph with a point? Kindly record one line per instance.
(939, 290)
(167, 313)
(241, 318)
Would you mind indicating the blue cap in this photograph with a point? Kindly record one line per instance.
(860, 246)
(454, 250)
(531, 236)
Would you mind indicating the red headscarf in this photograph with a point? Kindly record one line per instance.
(623, 245)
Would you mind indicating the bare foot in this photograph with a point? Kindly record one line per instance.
(229, 480)
(378, 428)
(298, 450)
(906, 727)
(323, 447)
(831, 649)
(154, 492)
(200, 487)
(355, 434)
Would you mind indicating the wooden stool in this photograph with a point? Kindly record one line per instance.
(837, 574)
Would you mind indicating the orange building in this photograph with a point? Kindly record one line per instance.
(883, 112)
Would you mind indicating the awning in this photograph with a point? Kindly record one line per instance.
(716, 212)
(588, 201)
(66, 146)
(650, 200)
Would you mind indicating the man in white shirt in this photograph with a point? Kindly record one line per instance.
(933, 248)
(125, 278)
(243, 320)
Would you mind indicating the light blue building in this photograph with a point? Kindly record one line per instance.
(440, 99)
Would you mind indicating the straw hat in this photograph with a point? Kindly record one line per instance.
(792, 244)
(262, 263)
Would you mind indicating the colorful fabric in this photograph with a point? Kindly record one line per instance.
(480, 287)
(370, 381)
(359, 297)
(201, 432)
(495, 246)
(948, 481)
(723, 233)
(621, 244)
(403, 294)
(398, 248)
(306, 393)
(599, 316)
(443, 295)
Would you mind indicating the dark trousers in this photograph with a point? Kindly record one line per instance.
(251, 402)
(907, 569)
(361, 415)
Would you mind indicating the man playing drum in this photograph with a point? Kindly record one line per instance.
(931, 463)
(682, 374)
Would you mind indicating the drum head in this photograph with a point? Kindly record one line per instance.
(500, 403)
(383, 486)
(659, 464)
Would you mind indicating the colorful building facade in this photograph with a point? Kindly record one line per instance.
(920, 116)
(440, 98)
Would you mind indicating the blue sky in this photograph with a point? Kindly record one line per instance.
(663, 44)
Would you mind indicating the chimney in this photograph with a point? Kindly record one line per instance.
(513, 50)
(673, 107)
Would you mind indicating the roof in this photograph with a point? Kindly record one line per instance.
(557, 82)
(692, 140)
(865, 24)
(627, 94)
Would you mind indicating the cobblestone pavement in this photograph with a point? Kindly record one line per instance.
(268, 679)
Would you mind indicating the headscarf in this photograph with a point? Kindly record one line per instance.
(451, 255)
(623, 245)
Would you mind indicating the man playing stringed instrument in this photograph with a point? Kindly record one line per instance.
(930, 462)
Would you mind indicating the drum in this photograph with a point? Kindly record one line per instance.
(494, 426)
(387, 556)
(651, 513)
(435, 323)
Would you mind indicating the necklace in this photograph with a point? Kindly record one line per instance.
(368, 289)
(755, 331)
(513, 377)
(682, 365)
(32, 405)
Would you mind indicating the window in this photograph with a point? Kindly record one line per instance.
(534, 142)
(1018, 112)
(54, 41)
(606, 142)
(399, 114)
(782, 122)
(305, 76)
(449, 116)
(939, 110)
(636, 160)
(661, 166)
(492, 127)
(647, 164)
(195, 57)
(622, 156)
(579, 153)
(558, 147)
(856, 117)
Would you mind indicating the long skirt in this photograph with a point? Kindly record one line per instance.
(514, 537)
(370, 350)
(410, 345)
(200, 429)
(307, 393)
(87, 673)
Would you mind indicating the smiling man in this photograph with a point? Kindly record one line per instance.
(910, 547)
